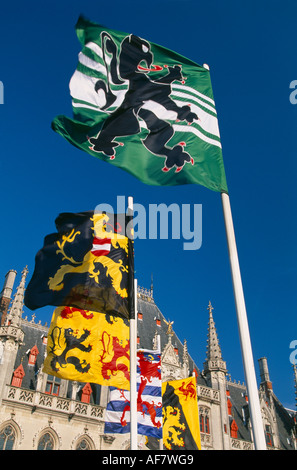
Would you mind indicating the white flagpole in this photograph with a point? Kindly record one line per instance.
(248, 362)
(133, 361)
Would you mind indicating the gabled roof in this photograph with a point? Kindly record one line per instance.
(33, 336)
(240, 409)
(285, 423)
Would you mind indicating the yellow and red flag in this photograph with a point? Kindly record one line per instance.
(88, 346)
(87, 264)
(181, 429)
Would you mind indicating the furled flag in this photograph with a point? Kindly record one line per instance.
(180, 415)
(149, 399)
(87, 264)
(88, 347)
(145, 109)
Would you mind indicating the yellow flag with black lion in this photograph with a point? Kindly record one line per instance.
(87, 264)
(88, 347)
(181, 430)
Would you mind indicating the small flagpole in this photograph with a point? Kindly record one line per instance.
(133, 360)
(248, 362)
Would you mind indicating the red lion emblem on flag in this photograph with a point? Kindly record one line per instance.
(149, 369)
(112, 356)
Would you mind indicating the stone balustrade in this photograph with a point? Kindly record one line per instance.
(208, 394)
(38, 400)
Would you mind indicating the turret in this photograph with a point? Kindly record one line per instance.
(5, 296)
(11, 334)
(14, 316)
(264, 373)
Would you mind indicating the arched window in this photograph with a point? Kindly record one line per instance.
(46, 442)
(204, 413)
(84, 444)
(7, 438)
(207, 431)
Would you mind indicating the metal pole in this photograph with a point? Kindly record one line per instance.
(133, 362)
(248, 362)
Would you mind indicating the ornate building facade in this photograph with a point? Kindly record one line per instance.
(38, 411)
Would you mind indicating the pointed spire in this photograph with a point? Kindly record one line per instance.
(15, 313)
(185, 353)
(213, 350)
(185, 359)
(185, 350)
(152, 285)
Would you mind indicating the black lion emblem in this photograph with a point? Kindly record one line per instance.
(72, 342)
(131, 66)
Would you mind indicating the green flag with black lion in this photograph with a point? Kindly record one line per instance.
(145, 109)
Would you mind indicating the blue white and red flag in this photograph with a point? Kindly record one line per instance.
(149, 399)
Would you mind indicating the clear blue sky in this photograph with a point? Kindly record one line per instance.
(251, 50)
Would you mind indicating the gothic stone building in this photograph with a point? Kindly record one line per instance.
(43, 412)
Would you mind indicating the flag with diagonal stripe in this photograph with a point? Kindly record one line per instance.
(145, 109)
(181, 430)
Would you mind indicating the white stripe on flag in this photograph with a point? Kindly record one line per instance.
(91, 64)
(193, 98)
(206, 121)
(105, 247)
(195, 92)
(95, 48)
(101, 246)
(181, 128)
(82, 87)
